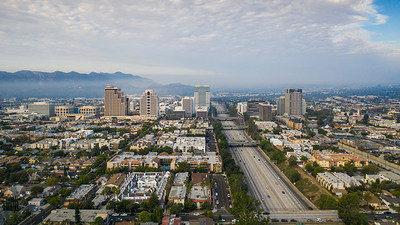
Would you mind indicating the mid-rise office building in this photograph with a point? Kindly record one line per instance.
(202, 96)
(265, 112)
(42, 108)
(253, 106)
(188, 106)
(149, 104)
(89, 110)
(293, 101)
(63, 110)
(115, 103)
(280, 105)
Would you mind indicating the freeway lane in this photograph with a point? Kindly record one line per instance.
(266, 183)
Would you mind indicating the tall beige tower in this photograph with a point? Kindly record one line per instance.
(149, 104)
(188, 106)
(115, 103)
(293, 101)
(280, 105)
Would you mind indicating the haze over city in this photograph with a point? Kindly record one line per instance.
(222, 43)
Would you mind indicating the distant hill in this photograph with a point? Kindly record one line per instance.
(60, 84)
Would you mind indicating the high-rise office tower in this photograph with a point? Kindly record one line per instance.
(202, 96)
(149, 104)
(115, 103)
(187, 106)
(253, 106)
(293, 101)
(280, 105)
(265, 112)
(304, 107)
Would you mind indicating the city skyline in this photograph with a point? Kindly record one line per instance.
(220, 43)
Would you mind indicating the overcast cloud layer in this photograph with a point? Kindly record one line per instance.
(232, 43)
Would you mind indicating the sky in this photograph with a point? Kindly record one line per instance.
(232, 43)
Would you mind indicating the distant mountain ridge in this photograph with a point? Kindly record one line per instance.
(27, 83)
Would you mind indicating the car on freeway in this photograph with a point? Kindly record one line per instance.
(275, 220)
(284, 220)
(268, 196)
(293, 220)
(196, 214)
(262, 199)
(124, 214)
(265, 213)
(329, 220)
(229, 195)
(283, 192)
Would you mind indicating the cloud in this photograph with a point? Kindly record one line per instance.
(193, 37)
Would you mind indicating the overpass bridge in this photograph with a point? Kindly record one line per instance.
(226, 118)
(234, 127)
(243, 144)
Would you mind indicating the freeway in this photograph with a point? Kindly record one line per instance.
(267, 184)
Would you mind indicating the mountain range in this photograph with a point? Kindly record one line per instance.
(27, 83)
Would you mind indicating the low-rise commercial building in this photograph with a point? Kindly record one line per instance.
(177, 194)
(330, 159)
(60, 216)
(139, 186)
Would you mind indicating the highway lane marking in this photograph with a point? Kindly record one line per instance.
(266, 183)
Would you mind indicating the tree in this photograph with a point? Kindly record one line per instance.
(278, 156)
(98, 221)
(327, 202)
(145, 216)
(366, 119)
(183, 167)
(348, 210)
(177, 208)
(318, 170)
(367, 197)
(158, 214)
(153, 201)
(245, 209)
(292, 161)
(309, 167)
(77, 216)
(35, 190)
(51, 181)
(294, 176)
(209, 214)
(370, 169)
(304, 158)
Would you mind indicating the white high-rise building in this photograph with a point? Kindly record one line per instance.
(241, 107)
(188, 106)
(202, 96)
(149, 104)
(304, 107)
(293, 101)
